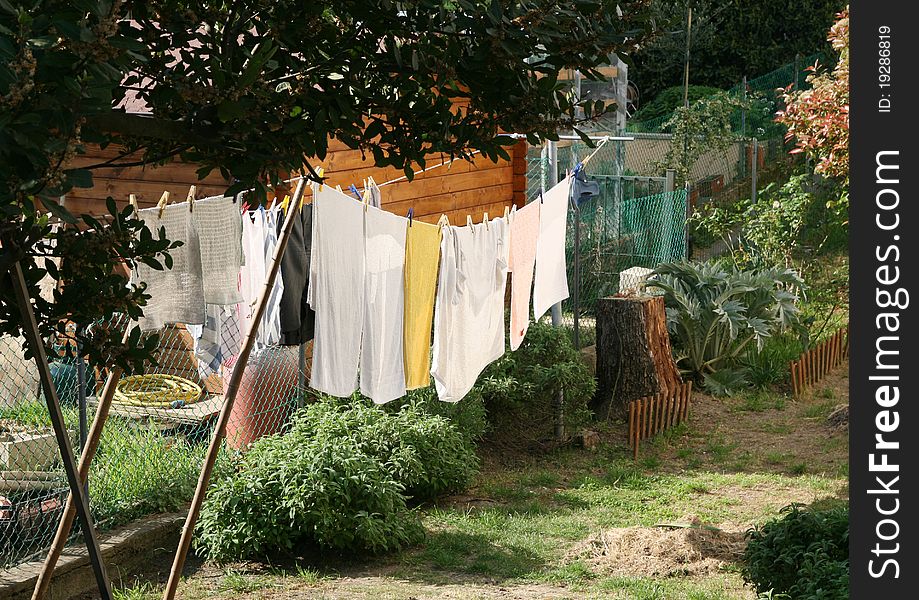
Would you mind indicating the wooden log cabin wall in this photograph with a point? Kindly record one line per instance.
(459, 189)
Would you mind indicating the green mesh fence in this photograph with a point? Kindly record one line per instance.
(614, 236)
(762, 93)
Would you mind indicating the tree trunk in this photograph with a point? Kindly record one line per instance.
(634, 358)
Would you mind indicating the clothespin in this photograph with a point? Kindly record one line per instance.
(540, 197)
(320, 171)
(507, 211)
(285, 202)
(353, 189)
(164, 200)
(190, 198)
(485, 220)
(443, 221)
(469, 220)
(411, 213)
(366, 198)
(132, 200)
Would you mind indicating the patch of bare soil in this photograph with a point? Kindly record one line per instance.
(782, 435)
(688, 550)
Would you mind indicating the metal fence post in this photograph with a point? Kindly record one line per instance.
(687, 239)
(556, 310)
(753, 170)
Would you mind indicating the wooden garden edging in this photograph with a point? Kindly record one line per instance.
(651, 415)
(814, 364)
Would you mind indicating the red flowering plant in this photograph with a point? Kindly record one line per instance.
(818, 118)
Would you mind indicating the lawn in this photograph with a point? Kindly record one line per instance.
(580, 524)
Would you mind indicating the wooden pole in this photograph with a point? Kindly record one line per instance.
(81, 504)
(631, 423)
(232, 388)
(43, 582)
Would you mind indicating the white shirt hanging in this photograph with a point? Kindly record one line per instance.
(336, 290)
(550, 284)
(469, 311)
(382, 368)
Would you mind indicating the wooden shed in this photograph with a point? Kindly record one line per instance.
(458, 189)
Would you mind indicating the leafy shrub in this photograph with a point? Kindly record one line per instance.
(803, 555)
(769, 366)
(340, 478)
(425, 453)
(468, 416)
(520, 389)
(716, 311)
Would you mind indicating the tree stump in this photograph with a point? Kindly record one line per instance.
(634, 358)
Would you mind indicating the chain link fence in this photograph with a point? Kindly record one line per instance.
(154, 440)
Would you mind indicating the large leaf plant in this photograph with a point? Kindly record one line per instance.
(716, 313)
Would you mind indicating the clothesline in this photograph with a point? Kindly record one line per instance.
(602, 139)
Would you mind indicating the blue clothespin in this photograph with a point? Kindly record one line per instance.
(355, 191)
(411, 213)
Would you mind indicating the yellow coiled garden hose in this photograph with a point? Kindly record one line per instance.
(160, 390)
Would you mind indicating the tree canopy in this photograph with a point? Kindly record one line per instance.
(255, 89)
(729, 39)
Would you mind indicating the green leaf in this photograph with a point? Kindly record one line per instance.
(57, 210)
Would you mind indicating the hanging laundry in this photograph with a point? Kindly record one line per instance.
(296, 317)
(336, 290)
(270, 329)
(422, 254)
(551, 280)
(176, 294)
(218, 222)
(381, 369)
(218, 340)
(259, 241)
(376, 196)
(469, 311)
(524, 231)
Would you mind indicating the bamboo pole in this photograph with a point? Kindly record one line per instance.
(81, 503)
(43, 582)
(232, 388)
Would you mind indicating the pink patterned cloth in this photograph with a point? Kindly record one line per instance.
(524, 232)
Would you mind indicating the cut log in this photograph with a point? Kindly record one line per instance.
(634, 358)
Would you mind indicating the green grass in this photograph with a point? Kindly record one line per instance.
(760, 401)
(820, 410)
(527, 540)
(34, 414)
(141, 591)
(642, 588)
(238, 583)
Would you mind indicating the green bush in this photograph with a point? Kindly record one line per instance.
(803, 555)
(340, 478)
(424, 452)
(520, 388)
(468, 416)
(717, 314)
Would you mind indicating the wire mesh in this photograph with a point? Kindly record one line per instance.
(150, 452)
